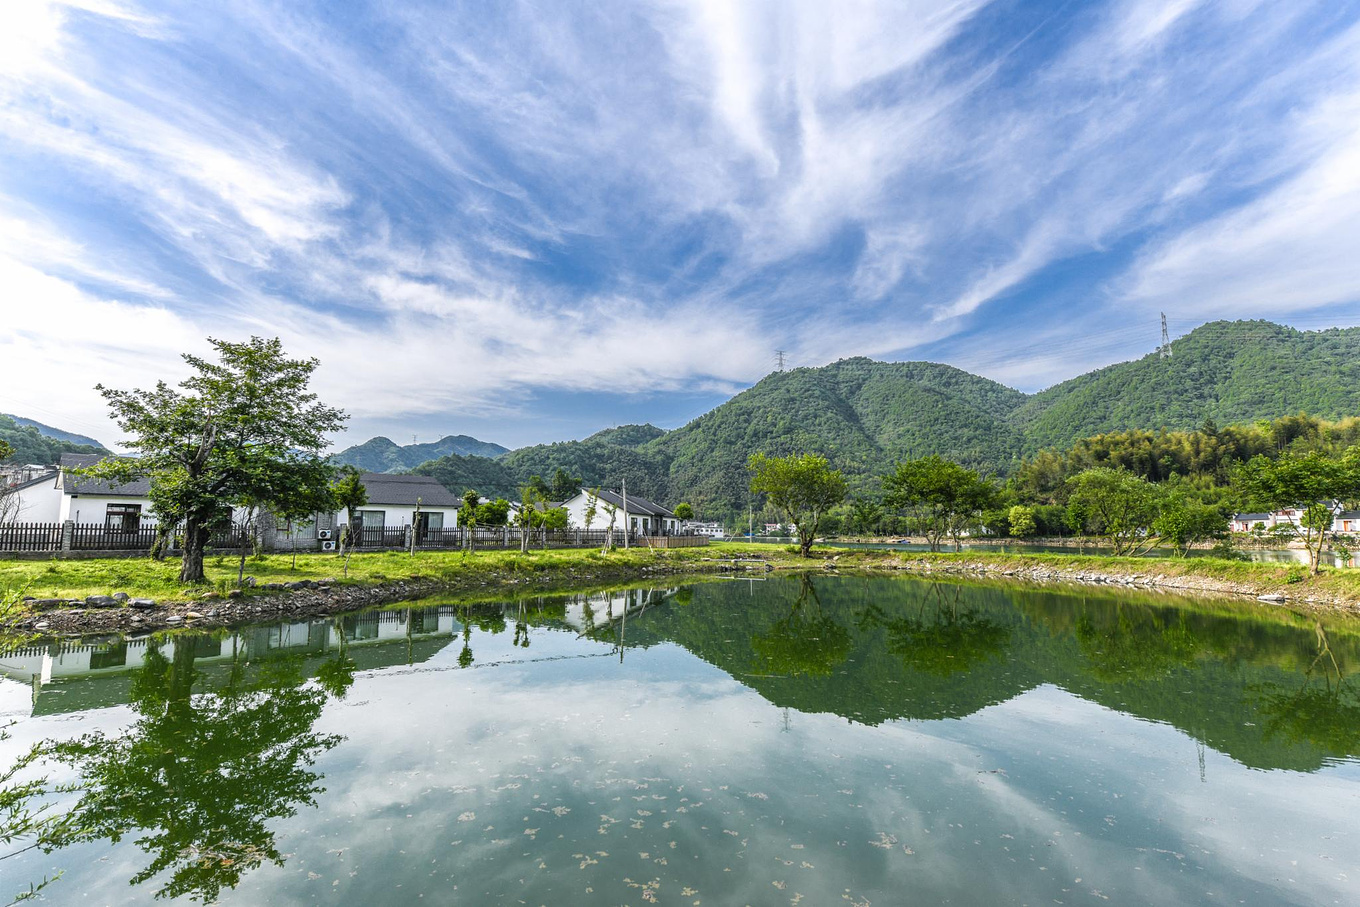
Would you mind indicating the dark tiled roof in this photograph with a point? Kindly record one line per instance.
(384, 488)
(71, 484)
(636, 505)
(1255, 517)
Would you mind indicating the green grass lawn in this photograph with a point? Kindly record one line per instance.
(146, 578)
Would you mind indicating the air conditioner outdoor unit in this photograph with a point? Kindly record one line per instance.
(323, 534)
(328, 546)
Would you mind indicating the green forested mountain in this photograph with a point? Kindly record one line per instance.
(32, 445)
(1229, 371)
(58, 434)
(384, 455)
(863, 415)
(487, 477)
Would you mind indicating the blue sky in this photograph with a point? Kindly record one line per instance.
(528, 221)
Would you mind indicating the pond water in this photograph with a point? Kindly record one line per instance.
(837, 740)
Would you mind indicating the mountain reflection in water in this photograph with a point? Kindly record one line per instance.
(202, 766)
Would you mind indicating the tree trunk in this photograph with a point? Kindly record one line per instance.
(191, 559)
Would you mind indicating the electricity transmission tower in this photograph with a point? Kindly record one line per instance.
(1165, 349)
(779, 359)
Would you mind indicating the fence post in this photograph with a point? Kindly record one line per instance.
(68, 535)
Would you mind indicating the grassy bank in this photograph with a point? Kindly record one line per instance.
(143, 578)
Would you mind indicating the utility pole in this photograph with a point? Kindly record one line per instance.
(779, 358)
(627, 526)
(1165, 349)
(751, 530)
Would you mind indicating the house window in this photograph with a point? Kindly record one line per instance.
(371, 519)
(123, 517)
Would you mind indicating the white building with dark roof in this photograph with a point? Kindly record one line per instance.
(643, 516)
(392, 501)
(125, 507)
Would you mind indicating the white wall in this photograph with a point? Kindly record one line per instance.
(576, 517)
(395, 515)
(91, 508)
(40, 503)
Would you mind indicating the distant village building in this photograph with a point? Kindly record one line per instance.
(1345, 521)
(643, 516)
(713, 529)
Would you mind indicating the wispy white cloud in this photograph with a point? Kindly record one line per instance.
(649, 197)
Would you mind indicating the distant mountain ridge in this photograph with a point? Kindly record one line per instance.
(57, 434)
(863, 415)
(385, 455)
(34, 442)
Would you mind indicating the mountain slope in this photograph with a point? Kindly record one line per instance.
(1228, 371)
(57, 434)
(860, 414)
(383, 455)
(32, 446)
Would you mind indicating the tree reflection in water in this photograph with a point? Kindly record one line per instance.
(941, 638)
(806, 641)
(1323, 711)
(198, 777)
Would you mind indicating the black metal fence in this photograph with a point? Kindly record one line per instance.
(111, 538)
(30, 537)
(57, 537)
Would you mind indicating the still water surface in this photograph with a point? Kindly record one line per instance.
(824, 741)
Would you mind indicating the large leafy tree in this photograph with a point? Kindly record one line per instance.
(1315, 483)
(1116, 505)
(801, 486)
(238, 429)
(941, 497)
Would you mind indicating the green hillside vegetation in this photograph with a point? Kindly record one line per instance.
(47, 431)
(384, 455)
(1229, 371)
(864, 416)
(31, 446)
(628, 435)
(489, 478)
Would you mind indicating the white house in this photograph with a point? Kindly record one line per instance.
(36, 500)
(124, 507)
(643, 516)
(713, 530)
(1346, 521)
(392, 503)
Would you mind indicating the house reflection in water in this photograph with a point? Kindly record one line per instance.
(69, 675)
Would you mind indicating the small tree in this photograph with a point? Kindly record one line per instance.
(1116, 505)
(1182, 521)
(469, 515)
(205, 446)
(1020, 520)
(866, 516)
(298, 504)
(941, 497)
(493, 513)
(613, 513)
(349, 494)
(684, 511)
(804, 487)
(524, 519)
(592, 506)
(1312, 482)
